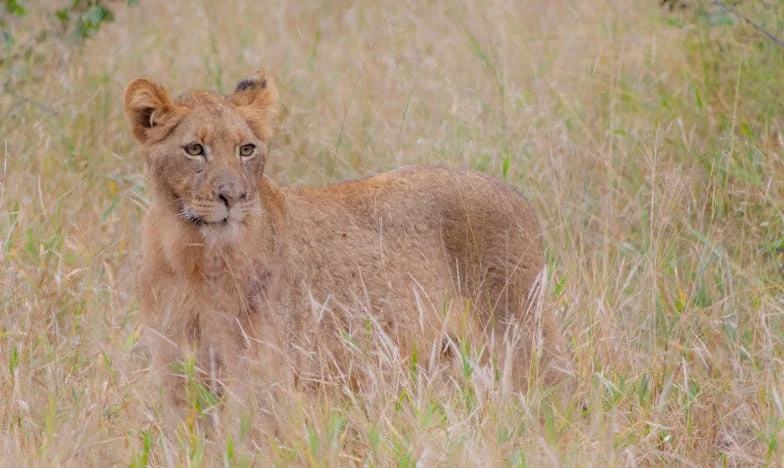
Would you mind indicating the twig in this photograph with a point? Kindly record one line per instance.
(756, 26)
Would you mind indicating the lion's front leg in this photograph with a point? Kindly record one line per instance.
(168, 333)
(221, 344)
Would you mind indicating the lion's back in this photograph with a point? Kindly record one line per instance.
(431, 224)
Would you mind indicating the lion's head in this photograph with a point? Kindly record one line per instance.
(205, 152)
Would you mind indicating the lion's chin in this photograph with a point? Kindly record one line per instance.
(221, 232)
(216, 226)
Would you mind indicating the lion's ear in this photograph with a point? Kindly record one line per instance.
(257, 100)
(148, 107)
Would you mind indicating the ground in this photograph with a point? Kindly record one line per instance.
(649, 142)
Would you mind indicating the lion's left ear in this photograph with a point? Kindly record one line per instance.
(257, 100)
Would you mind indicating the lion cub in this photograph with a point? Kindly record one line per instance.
(236, 268)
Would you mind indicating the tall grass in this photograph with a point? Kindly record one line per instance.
(650, 143)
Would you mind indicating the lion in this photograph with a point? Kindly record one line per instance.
(234, 265)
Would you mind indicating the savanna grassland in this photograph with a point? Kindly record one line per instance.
(649, 141)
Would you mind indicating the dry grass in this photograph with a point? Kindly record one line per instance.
(651, 151)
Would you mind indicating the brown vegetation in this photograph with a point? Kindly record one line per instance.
(648, 143)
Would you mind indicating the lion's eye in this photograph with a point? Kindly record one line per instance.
(247, 151)
(194, 149)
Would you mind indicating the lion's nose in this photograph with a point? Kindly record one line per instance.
(229, 192)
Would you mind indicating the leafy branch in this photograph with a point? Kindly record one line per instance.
(760, 29)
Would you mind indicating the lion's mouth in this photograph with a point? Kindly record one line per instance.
(200, 221)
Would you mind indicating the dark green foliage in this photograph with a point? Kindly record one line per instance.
(84, 17)
(21, 54)
(80, 19)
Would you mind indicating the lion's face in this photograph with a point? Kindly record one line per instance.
(205, 151)
(209, 163)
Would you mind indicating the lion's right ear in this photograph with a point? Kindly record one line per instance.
(148, 107)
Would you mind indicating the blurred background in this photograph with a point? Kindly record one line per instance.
(647, 135)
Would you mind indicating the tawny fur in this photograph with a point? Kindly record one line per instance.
(234, 266)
